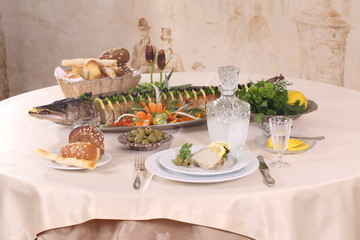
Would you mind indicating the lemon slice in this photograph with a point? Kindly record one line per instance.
(110, 104)
(99, 102)
(299, 147)
(222, 143)
(293, 145)
(218, 150)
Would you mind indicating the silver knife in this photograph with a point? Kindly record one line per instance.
(264, 169)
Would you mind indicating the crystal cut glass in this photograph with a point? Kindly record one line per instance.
(228, 117)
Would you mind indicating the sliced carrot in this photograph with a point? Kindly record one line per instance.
(141, 115)
(167, 112)
(152, 107)
(139, 123)
(159, 108)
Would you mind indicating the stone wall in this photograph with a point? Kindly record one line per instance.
(313, 39)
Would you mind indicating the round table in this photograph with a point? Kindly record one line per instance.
(316, 197)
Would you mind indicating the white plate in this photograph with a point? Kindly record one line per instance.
(261, 142)
(152, 165)
(231, 165)
(104, 159)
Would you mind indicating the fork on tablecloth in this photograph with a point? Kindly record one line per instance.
(139, 166)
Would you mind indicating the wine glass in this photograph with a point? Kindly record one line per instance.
(280, 128)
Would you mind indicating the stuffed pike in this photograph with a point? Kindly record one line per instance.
(166, 106)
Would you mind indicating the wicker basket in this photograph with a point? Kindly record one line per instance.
(96, 86)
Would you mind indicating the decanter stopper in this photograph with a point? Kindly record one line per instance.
(229, 76)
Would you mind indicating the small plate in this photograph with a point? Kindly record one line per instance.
(104, 159)
(123, 137)
(261, 141)
(234, 163)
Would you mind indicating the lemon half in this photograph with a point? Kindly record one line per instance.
(293, 96)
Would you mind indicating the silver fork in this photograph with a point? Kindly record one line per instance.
(139, 166)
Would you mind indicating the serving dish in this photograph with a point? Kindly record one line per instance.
(261, 142)
(123, 139)
(159, 126)
(312, 106)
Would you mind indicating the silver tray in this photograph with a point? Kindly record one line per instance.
(160, 126)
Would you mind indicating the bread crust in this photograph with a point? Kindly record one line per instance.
(88, 133)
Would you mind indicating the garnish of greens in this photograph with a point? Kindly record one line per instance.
(184, 156)
(267, 98)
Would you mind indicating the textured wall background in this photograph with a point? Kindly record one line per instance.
(313, 39)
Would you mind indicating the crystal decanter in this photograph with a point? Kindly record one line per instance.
(228, 117)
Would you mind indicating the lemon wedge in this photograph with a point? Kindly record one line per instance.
(222, 143)
(217, 149)
(293, 145)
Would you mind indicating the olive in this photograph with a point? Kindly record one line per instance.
(140, 135)
(159, 136)
(133, 133)
(145, 141)
(187, 163)
(178, 161)
(159, 132)
(153, 138)
(138, 139)
(141, 130)
(130, 139)
(148, 130)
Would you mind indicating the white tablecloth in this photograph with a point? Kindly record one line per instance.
(317, 197)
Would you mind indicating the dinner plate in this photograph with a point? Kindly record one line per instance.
(104, 159)
(153, 165)
(261, 142)
(234, 163)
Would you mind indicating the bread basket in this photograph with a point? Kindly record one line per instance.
(96, 86)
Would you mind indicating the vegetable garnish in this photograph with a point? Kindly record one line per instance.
(184, 156)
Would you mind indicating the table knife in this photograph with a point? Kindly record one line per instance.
(264, 169)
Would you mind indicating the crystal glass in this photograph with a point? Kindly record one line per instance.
(280, 128)
(228, 117)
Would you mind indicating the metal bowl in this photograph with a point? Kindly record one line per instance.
(312, 106)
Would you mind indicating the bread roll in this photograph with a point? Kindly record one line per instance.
(88, 133)
(122, 55)
(80, 150)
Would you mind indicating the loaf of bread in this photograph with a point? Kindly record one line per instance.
(80, 150)
(121, 55)
(81, 163)
(88, 133)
